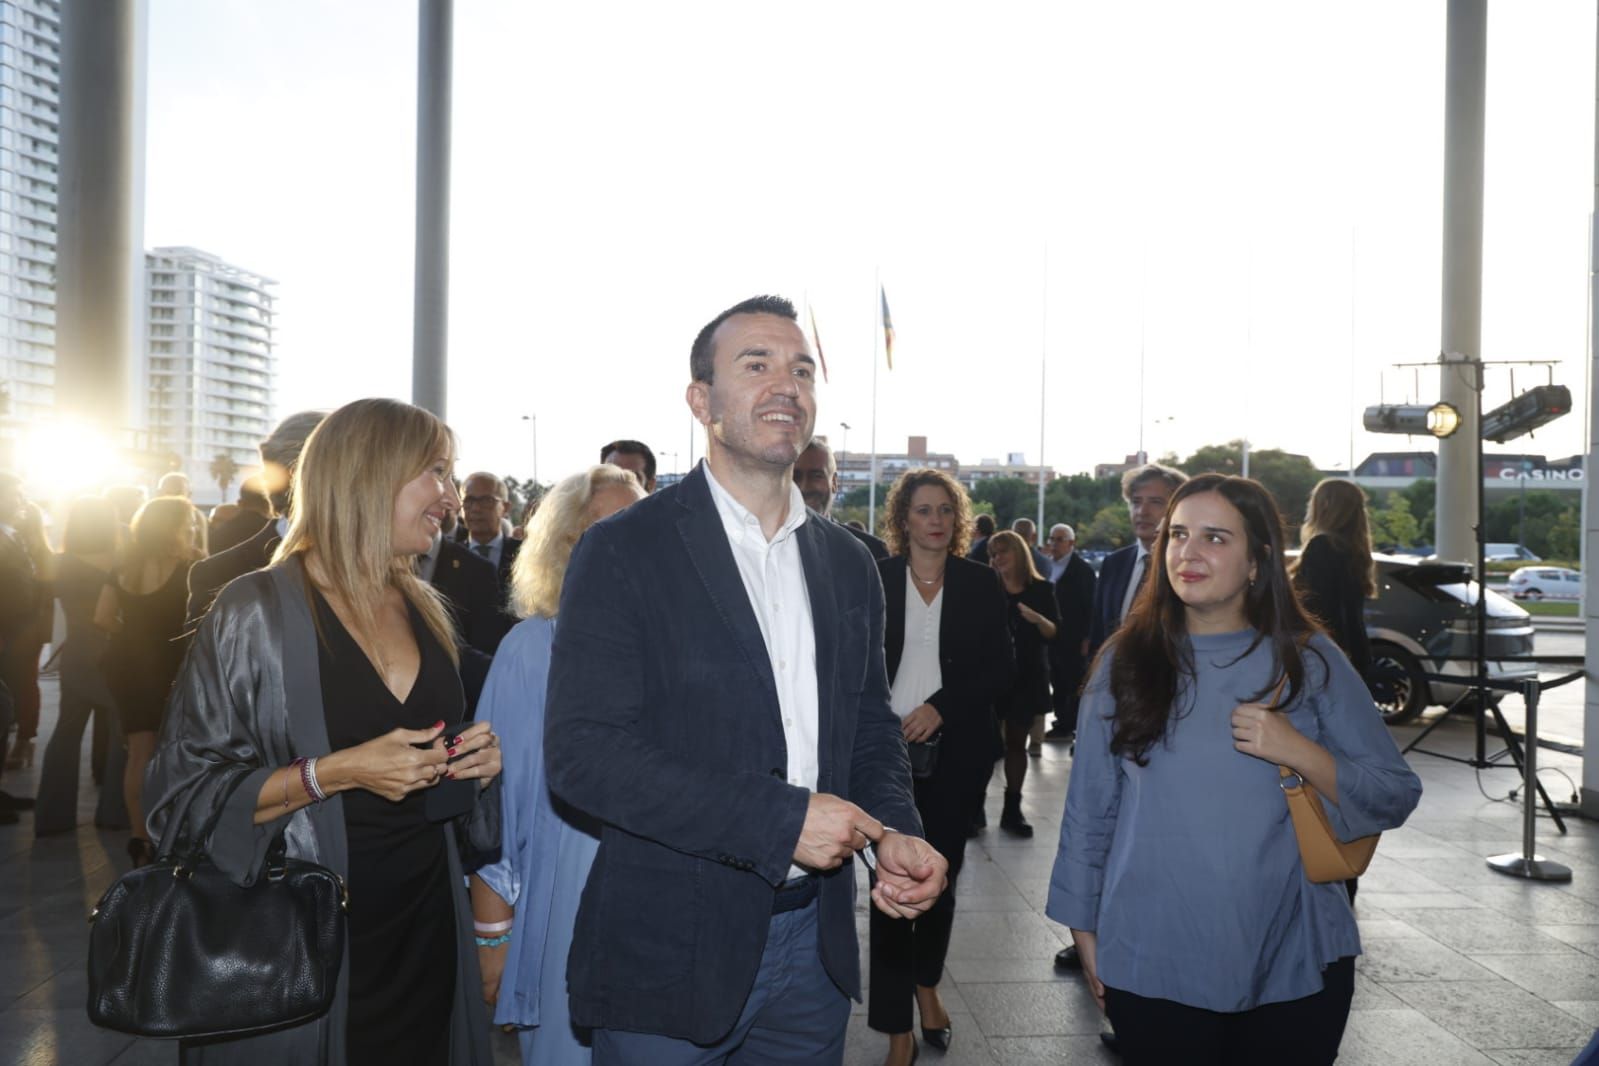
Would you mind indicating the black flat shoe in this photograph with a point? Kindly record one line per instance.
(939, 1038)
(1066, 959)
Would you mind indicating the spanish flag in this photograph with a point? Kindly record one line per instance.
(888, 328)
(817, 337)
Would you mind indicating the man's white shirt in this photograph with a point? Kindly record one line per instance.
(774, 579)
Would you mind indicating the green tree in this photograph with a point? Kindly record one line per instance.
(1076, 499)
(1289, 477)
(1423, 498)
(1109, 528)
(1565, 538)
(223, 471)
(1011, 497)
(1392, 524)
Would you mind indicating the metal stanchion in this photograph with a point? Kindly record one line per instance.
(1528, 864)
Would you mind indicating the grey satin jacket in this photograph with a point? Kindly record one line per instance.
(247, 701)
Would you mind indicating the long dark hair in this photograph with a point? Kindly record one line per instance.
(1151, 650)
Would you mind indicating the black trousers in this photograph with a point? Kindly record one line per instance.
(907, 953)
(1305, 1032)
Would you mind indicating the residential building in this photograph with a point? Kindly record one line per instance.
(30, 76)
(211, 370)
(855, 468)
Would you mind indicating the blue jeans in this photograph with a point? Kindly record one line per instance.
(794, 1013)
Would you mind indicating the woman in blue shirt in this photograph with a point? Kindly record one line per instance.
(1178, 869)
(524, 905)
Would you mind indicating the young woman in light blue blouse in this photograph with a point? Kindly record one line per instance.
(1178, 870)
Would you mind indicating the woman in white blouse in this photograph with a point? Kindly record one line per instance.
(948, 650)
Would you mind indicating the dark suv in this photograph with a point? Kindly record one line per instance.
(1426, 610)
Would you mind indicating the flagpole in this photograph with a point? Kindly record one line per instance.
(871, 492)
(1043, 393)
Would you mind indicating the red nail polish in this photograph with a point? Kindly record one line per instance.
(450, 774)
(450, 752)
(439, 724)
(456, 743)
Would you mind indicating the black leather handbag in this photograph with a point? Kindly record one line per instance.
(177, 949)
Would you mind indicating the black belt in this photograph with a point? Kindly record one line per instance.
(795, 893)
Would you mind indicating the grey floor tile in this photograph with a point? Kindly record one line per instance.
(1389, 929)
(864, 1047)
(1003, 971)
(1495, 1014)
(1550, 977)
(1004, 935)
(1391, 961)
(1541, 904)
(1371, 995)
(1400, 902)
(1584, 1010)
(1536, 1056)
(1054, 1008)
(1403, 1038)
(164, 1053)
(1485, 932)
(1582, 937)
(56, 1038)
(1051, 1051)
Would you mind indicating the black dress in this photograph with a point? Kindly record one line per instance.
(1329, 592)
(402, 918)
(143, 657)
(1029, 694)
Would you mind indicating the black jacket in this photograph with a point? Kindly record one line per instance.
(976, 660)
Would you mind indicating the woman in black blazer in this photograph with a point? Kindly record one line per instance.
(948, 651)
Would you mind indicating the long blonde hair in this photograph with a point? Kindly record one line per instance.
(563, 515)
(1337, 510)
(354, 465)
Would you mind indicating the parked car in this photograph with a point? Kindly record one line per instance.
(1426, 612)
(1510, 553)
(1545, 583)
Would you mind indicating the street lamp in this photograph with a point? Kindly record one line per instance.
(534, 420)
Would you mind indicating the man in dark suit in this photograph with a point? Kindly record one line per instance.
(484, 504)
(1026, 529)
(816, 474)
(718, 701)
(1074, 598)
(983, 526)
(280, 454)
(1147, 490)
(632, 455)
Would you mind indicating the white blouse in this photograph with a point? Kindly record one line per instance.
(918, 676)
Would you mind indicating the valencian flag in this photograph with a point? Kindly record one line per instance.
(888, 328)
(817, 338)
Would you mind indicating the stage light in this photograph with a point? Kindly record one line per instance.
(1532, 409)
(1440, 420)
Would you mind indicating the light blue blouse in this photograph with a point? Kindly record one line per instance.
(1188, 869)
(546, 854)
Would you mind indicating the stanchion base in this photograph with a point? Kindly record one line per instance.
(1536, 868)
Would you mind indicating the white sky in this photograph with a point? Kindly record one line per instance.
(1259, 183)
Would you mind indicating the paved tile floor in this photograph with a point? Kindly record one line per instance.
(1463, 966)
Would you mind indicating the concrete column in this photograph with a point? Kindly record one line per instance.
(97, 221)
(1590, 505)
(1465, 81)
(431, 311)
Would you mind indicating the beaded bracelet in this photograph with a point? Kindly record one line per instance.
(494, 942)
(308, 779)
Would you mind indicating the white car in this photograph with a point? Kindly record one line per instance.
(1509, 553)
(1545, 583)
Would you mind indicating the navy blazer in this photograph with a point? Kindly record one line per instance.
(663, 723)
(1114, 574)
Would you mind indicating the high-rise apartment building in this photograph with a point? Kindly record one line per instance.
(210, 369)
(30, 76)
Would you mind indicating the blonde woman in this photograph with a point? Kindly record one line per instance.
(141, 607)
(320, 703)
(525, 904)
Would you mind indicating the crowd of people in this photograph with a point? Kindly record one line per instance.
(604, 776)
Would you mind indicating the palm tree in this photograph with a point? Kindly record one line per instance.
(224, 470)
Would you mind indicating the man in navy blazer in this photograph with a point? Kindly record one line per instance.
(1147, 490)
(718, 701)
(816, 474)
